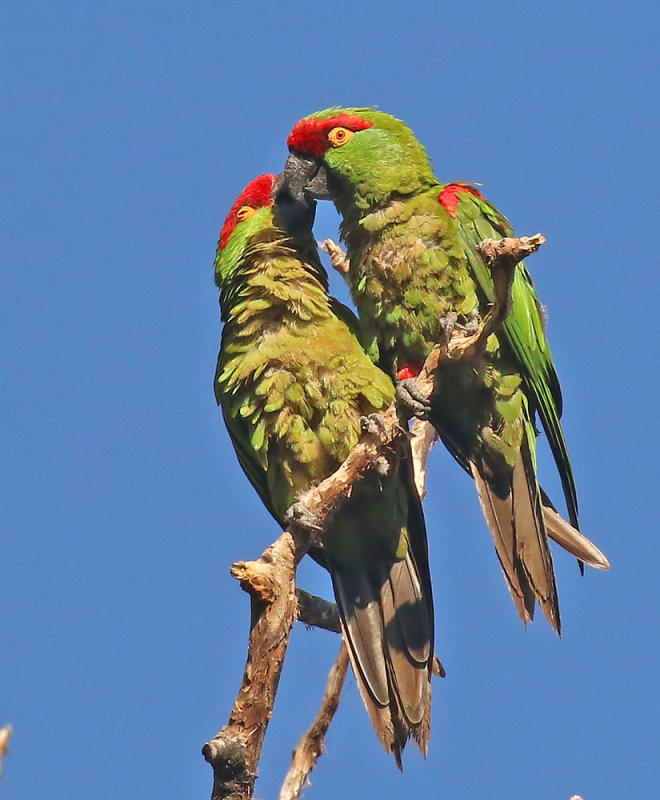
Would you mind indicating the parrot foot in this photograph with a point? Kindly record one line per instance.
(338, 257)
(472, 323)
(410, 401)
(374, 424)
(448, 323)
(299, 514)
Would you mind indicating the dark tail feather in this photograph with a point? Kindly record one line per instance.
(499, 516)
(409, 643)
(559, 530)
(386, 621)
(532, 537)
(516, 522)
(573, 540)
(570, 538)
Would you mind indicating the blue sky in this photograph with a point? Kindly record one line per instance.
(128, 129)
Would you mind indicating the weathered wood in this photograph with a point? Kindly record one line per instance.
(5, 734)
(270, 580)
(312, 744)
(235, 750)
(317, 612)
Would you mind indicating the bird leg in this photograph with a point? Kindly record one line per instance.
(471, 324)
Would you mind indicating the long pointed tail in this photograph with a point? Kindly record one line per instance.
(570, 538)
(387, 621)
(558, 529)
(516, 521)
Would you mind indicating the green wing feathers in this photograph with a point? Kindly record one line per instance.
(524, 331)
(415, 274)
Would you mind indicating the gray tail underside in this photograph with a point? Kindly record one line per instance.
(517, 524)
(387, 622)
(571, 539)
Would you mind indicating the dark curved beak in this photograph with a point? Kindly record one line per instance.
(304, 178)
(293, 215)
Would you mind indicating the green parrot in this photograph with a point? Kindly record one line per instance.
(294, 385)
(415, 275)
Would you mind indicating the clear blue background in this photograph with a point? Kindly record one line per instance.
(127, 130)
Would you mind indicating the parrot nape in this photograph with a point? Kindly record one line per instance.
(415, 274)
(294, 384)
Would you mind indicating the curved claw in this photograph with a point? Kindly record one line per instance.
(299, 514)
(410, 401)
(375, 425)
(448, 323)
(472, 324)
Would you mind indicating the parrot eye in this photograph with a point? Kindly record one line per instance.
(245, 212)
(339, 136)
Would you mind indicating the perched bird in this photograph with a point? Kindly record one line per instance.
(416, 275)
(294, 385)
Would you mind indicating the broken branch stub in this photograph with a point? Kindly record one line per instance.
(235, 750)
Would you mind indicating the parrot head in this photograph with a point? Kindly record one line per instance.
(357, 157)
(256, 212)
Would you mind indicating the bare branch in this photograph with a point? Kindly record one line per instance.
(235, 750)
(422, 438)
(502, 256)
(5, 734)
(270, 580)
(312, 745)
(317, 612)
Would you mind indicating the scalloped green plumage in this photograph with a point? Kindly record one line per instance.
(413, 263)
(294, 384)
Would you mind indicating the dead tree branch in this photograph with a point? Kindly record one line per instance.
(312, 745)
(422, 438)
(502, 256)
(270, 580)
(317, 612)
(5, 734)
(235, 750)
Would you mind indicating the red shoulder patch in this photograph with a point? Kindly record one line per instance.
(449, 196)
(257, 194)
(408, 371)
(311, 135)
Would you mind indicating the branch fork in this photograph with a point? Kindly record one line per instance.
(235, 750)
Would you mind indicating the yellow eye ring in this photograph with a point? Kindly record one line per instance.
(245, 212)
(339, 136)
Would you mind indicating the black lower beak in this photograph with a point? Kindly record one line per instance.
(304, 179)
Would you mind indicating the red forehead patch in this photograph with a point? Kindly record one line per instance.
(311, 135)
(257, 194)
(449, 196)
